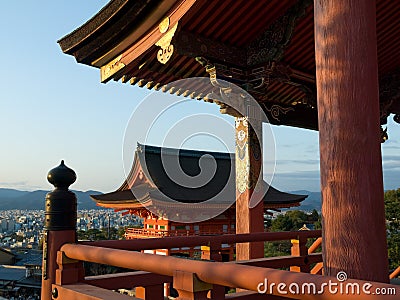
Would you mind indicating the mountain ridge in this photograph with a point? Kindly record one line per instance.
(17, 199)
(35, 200)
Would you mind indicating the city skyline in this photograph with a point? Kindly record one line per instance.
(53, 108)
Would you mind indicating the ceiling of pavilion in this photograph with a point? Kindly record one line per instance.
(265, 47)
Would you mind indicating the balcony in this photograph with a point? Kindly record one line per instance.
(201, 279)
(136, 233)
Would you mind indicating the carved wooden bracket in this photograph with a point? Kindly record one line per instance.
(268, 47)
(271, 44)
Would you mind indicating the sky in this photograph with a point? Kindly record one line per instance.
(52, 108)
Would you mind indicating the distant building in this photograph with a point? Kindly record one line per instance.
(149, 189)
(6, 257)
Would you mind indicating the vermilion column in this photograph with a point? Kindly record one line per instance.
(248, 166)
(354, 236)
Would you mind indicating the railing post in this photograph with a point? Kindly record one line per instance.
(60, 223)
(319, 267)
(150, 292)
(69, 270)
(218, 291)
(189, 287)
(299, 249)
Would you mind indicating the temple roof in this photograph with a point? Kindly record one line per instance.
(265, 47)
(149, 182)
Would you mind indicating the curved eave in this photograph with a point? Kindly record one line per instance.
(125, 199)
(93, 26)
(120, 24)
(123, 206)
(276, 197)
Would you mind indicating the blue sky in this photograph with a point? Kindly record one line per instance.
(52, 108)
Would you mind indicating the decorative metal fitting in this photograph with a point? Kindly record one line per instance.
(384, 135)
(54, 293)
(167, 49)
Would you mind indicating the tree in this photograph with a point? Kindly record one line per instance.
(392, 211)
(292, 220)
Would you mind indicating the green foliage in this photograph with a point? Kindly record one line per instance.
(93, 269)
(292, 220)
(281, 248)
(392, 211)
(97, 234)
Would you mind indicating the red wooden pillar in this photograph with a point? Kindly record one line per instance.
(354, 236)
(248, 168)
(60, 223)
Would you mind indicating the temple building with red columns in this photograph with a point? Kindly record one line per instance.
(326, 65)
(149, 192)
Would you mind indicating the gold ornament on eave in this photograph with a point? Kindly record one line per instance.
(167, 49)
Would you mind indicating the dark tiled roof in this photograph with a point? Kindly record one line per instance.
(30, 257)
(12, 274)
(6, 252)
(152, 159)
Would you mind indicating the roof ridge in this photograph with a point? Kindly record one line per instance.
(150, 149)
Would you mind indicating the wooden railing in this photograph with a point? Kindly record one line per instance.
(395, 273)
(143, 232)
(195, 279)
(206, 240)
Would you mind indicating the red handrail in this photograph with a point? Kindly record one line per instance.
(191, 241)
(233, 275)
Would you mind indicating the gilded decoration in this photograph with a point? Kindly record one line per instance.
(167, 49)
(164, 25)
(248, 155)
(242, 157)
(276, 110)
(111, 68)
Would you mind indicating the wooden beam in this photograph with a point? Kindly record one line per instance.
(81, 291)
(270, 45)
(193, 45)
(147, 41)
(127, 280)
(247, 295)
(282, 261)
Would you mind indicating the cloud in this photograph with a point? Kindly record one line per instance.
(15, 183)
(299, 180)
(19, 185)
(310, 180)
(392, 165)
(391, 179)
(391, 157)
(299, 174)
(297, 161)
(392, 147)
(390, 141)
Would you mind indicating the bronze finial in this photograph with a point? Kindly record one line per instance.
(62, 176)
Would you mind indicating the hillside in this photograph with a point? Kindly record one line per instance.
(313, 201)
(15, 199)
